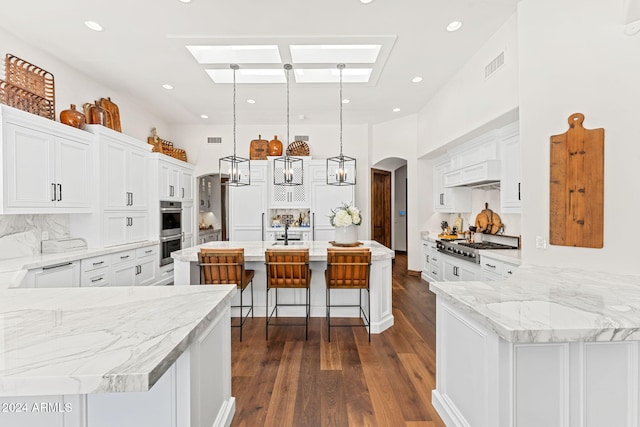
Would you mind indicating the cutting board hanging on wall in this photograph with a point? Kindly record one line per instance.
(577, 186)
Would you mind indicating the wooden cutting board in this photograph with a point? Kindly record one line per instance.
(114, 111)
(576, 212)
(259, 149)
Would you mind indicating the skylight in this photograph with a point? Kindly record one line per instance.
(335, 53)
(332, 75)
(241, 54)
(248, 75)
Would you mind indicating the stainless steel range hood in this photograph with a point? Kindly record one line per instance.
(478, 175)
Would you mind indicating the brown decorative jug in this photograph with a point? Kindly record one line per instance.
(275, 147)
(72, 117)
(96, 115)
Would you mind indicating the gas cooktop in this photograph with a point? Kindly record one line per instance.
(486, 245)
(469, 251)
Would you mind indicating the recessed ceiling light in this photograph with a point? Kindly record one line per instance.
(167, 86)
(302, 116)
(184, 1)
(251, 101)
(366, 1)
(416, 79)
(454, 26)
(346, 101)
(202, 116)
(93, 25)
(396, 110)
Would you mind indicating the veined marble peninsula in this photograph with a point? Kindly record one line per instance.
(547, 347)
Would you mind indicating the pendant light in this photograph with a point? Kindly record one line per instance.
(235, 171)
(341, 170)
(288, 170)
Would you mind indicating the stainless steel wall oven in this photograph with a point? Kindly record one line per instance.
(170, 230)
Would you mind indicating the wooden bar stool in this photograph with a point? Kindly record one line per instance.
(288, 269)
(226, 267)
(348, 269)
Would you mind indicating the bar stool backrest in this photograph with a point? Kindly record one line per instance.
(348, 268)
(221, 266)
(287, 268)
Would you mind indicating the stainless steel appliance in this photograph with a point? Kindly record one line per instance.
(170, 230)
(469, 251)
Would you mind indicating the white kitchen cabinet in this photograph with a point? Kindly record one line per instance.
(495, 269)
(124, 227)
(62, 275)
(175, 178)
(187, 225)
(295, 196)
(247, 206)
(95, 271)
(123, 172)
(431, 261)
(455, 270)
(135, 267)
(46, 166)
(511, 169)
(448, 199)
(324, 198)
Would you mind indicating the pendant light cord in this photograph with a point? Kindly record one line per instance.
(235, 67)
(340, 67)
(287, 77)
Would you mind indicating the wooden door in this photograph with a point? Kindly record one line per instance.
(381, 206)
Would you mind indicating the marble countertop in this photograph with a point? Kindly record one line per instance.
(13, 270)
(548, 304)
(254, 251)
(94, 340)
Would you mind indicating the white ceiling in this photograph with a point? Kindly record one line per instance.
(143, 47)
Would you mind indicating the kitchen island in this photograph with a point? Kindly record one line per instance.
(187, 272)
(547, 347)
(126, 357)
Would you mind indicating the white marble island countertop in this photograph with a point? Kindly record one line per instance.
(547, 304)
(94, 340)
(254, 251)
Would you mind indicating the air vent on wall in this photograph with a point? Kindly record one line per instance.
(214, 140)
(304, 138)
(494, 65)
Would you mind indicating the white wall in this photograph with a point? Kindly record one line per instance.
(399, 138)
(575, 58)
(399, 206)
(74, 87)
(468, 101)
(323, 142)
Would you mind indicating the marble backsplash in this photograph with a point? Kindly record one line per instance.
(20, 235)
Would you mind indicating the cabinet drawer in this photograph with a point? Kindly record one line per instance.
(146, 252)
(95, 278)
(90, 264)
(122, 257)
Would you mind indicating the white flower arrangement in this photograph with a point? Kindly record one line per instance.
(345, 215)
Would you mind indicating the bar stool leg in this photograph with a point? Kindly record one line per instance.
(241, 313)
(329, 314)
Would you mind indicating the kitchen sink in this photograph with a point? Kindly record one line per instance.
(291, 243)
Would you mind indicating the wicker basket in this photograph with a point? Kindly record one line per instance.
(30, 77)
(298, 148)
(24, 100)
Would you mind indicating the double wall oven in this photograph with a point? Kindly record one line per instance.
(170, 230)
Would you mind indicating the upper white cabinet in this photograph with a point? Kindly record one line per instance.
(175, 178)
(247, 205)
(124, 173)
(448, 199)
(295, 196)
(47, 166)
(511, 179)
(324, 198)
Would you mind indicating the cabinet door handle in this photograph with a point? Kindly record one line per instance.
(97, 280)
(98, 263)
(131, 199)
(519, 192)
(441, 199)
(427, 258)
(182, 192)
(434, 259)
(51, 267)
(59, 192)
(490, 266)
(182, 237)
(124, 257)
(149, 251)
(509, 272)
(53, 192)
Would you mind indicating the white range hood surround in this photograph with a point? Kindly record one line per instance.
(478, 174)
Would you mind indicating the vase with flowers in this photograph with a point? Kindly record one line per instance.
(345, 219)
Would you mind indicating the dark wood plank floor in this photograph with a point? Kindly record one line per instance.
(288, 381)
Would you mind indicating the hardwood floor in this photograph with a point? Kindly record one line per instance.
(288, 381)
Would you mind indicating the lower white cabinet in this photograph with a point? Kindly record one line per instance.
(125, 227)
(431, 261)
(63, 275)
(135, 267)
(494, 269)
(95, 271)
(455, 270)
